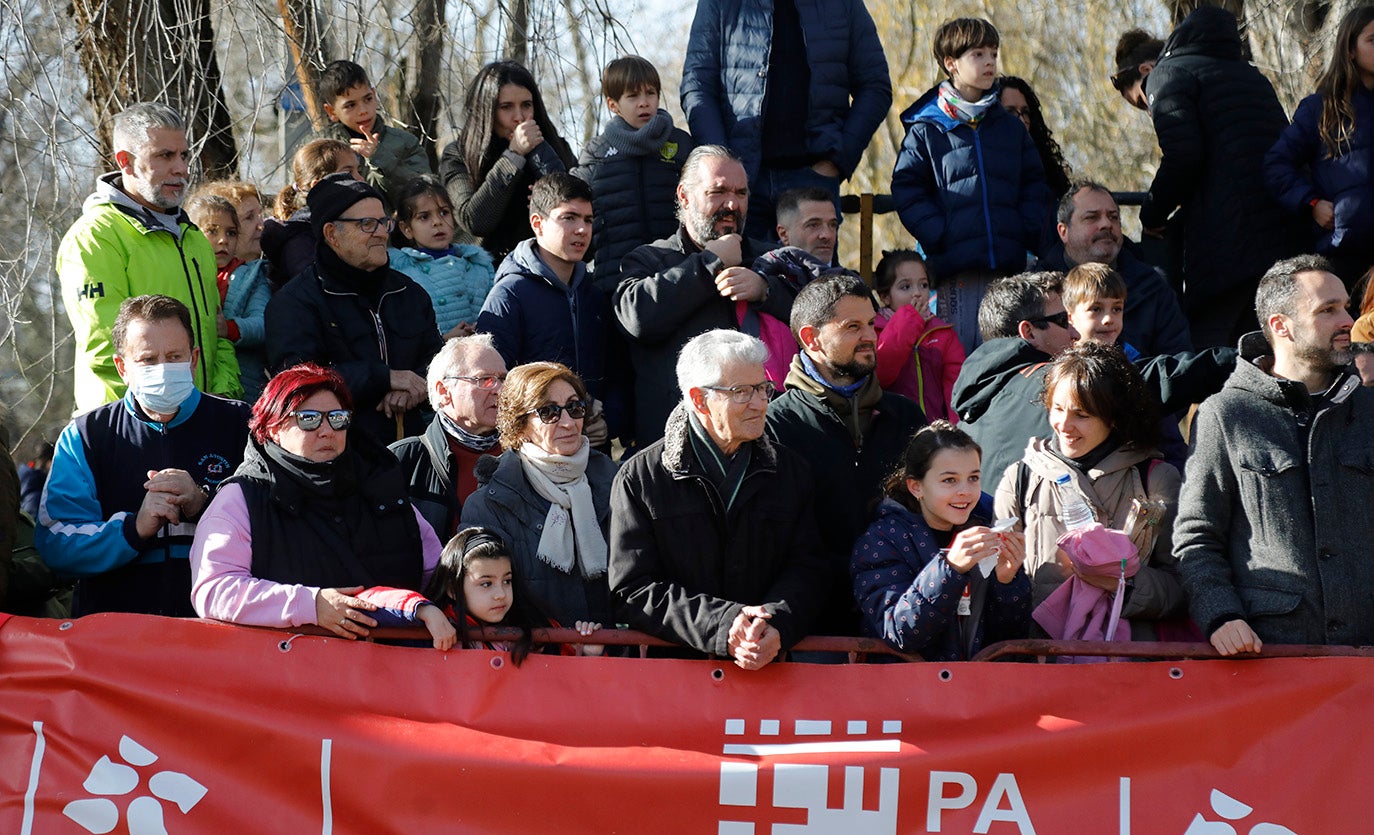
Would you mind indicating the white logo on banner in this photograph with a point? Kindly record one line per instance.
(803, 785)
(116, 779)
(1233, 810)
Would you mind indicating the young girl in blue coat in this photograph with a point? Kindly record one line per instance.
(456, 276)
(1321, 167)
(930, 577)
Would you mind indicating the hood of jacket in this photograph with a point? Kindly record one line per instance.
(927, 109)
(987, 371)
(1253, 376)
(1209, 31)
(108, 192)
(524, 261)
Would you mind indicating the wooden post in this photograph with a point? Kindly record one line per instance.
(866, 236)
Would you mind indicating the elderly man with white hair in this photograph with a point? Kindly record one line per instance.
(464, 382)
(713, 541)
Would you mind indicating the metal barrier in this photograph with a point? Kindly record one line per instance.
(867, 204)
(856, 648)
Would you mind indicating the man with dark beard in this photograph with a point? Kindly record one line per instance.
(676, 288)
(836, 416)
(1274, 529)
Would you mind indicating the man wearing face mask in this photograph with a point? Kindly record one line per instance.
(129, 479)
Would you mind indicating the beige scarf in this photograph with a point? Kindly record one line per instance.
(571, 532)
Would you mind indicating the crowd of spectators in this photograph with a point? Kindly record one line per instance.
(641, 387)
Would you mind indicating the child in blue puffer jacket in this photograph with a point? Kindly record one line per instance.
(968, 183)
(456, 276)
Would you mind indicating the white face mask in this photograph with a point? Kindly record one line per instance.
(161, 388)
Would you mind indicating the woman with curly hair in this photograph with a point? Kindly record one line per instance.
(1021, 100)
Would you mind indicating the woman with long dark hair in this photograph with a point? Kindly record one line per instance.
(1018, 97)
(1320, 168)
(507, 142)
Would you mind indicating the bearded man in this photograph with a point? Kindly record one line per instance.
(695, 281)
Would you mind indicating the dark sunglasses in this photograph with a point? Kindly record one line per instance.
(1124, 78)
(1060, 319)
(309, 419)
(549, 412)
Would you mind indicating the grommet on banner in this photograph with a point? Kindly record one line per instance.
(1175, 672)
(65, 626)
(498, 662)
(946, 675)
(285, 646)
(718, 674)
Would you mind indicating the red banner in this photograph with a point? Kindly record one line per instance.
(122, 723)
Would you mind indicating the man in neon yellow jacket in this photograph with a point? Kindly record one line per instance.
(133, 239)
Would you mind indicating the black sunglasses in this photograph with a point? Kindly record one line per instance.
(1124, 78)
(1061, 319)
(309, 419)
(550, 412)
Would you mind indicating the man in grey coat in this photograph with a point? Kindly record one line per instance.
(1274, 527)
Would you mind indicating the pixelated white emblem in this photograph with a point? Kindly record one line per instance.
(116, 779)
(804, 785)
(1232, 810)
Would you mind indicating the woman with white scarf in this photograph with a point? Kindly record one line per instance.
(548, 495)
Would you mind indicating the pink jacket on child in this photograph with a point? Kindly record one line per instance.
(919, 358)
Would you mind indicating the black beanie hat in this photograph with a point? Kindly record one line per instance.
(332, 196)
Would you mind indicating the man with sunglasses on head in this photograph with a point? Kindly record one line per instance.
(836, 415)
(1025, 326)
(1215, 116)
(713, 535)
(130, 479)
(465, 380)
(351, 311)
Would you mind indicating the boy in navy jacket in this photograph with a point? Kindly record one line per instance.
(968, 183)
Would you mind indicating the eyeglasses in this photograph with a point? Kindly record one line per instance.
(1124, 78)
(746, 393)
(550, 412)
(486, 382)
(1060, 319)
(309, 419)
(368, 225)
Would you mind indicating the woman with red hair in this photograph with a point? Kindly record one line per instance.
(314, 527)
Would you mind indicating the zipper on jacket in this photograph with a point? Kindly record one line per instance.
(983, 188)
(195, 311)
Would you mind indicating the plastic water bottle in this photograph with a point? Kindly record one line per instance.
(1077, 514)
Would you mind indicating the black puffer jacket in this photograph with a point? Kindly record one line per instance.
(682, 569)
(336, 524)
(1216, 117)
(667, 295)
(324, 316)
(634, 199)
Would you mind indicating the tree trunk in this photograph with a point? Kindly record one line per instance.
(156, 50)
(309, 51)
(517, 32)
(424, 102)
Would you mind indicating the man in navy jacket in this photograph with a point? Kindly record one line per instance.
(795, 88)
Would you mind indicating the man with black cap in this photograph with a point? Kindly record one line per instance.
(352, 311)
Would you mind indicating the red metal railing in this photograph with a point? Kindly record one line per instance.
(856, 648)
